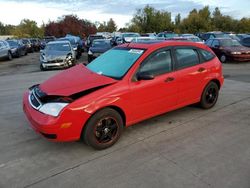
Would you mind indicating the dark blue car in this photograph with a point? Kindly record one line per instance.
(98, 47)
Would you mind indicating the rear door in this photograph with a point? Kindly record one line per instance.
(1, 49)
(191, 74)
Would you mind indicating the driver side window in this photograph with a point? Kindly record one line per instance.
(158, 64)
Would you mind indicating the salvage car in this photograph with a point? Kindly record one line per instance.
(245, 41)
(98, 47)
(5, 51)
(29, 45)
(128, 37)
(17, 48)
(91, 38)
(57, 54)
(228, 49)
(75, 45)
(125, 85)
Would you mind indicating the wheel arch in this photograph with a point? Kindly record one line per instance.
(216, 81)
(116, 108)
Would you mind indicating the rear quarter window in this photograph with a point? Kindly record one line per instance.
(206, 55)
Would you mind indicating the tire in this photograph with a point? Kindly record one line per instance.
(18, 54)
(209, 95)
(103, 129)
(89, 59)
(223, 58)
(41, 68)
(9, 57)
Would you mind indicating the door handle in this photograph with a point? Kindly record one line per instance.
(169, 79)
(201, 69)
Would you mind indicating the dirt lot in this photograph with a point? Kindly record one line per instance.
(189, 147)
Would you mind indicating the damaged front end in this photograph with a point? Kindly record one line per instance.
(53, 104)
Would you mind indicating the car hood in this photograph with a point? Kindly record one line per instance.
(53, 54)
(237, 49)
(74, 80)
(99, 49)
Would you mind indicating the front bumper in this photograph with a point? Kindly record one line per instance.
(239, 57)
(63, 64)
(66, 127)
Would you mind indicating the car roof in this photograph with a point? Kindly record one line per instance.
(108, 40)
(162, 44)
(58, 41)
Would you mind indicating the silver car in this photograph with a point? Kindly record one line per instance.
(5, 51)
(57, 54)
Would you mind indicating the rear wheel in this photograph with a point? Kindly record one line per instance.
(209, 96)
(103, 129)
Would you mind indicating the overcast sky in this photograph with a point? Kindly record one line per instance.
(13, 11)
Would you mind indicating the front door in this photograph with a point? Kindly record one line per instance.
(158, 95)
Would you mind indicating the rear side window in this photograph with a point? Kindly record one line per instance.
(206, 55)
(158, 64)
(186, 57)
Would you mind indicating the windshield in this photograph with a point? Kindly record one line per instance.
(221, 35)
(131, 35)
(194, 39)
(230, 43)
(12, 43)
(58, 47)
(101, 43)
(116, 62)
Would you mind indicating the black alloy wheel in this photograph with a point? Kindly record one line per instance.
(103, 129)
(209, 96)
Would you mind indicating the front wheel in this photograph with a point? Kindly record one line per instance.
(223, 58)
(209, 96)
(9, 56)
(42, 68)
(103, 129)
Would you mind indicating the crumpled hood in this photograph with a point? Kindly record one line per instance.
(53, 55)
(74, 80)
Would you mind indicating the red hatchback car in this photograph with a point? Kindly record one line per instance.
(125, 85)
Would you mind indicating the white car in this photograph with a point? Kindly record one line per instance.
(5, 51)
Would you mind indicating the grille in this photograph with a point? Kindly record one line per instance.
(56, 61)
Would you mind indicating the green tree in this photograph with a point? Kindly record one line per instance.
(244, 25)
(197, 21)
(109, 26)
(149, 19)
(28, 28)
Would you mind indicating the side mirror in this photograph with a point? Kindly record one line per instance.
(75, 48)
(144, 76)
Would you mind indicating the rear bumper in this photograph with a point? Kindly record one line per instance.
(66, 127)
